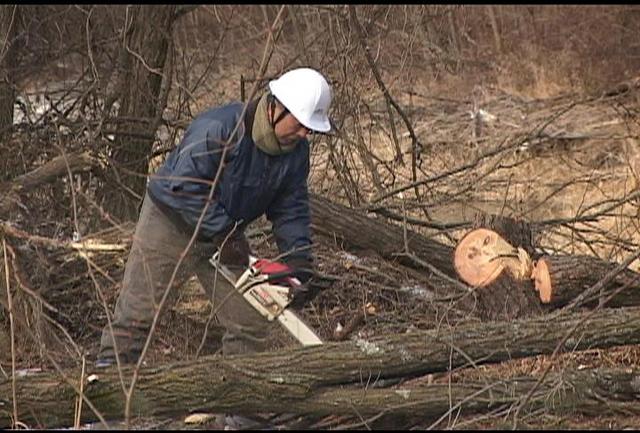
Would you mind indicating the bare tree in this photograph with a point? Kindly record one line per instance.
(138, 82)
(8, 20)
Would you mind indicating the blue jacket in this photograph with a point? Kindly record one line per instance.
(252, 183)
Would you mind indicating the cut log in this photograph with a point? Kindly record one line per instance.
(506, 298)
(482, 255)
(560, 278)
(287, 380)
(500, 272)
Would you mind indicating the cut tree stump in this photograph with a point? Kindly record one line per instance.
(561, 278)
(499, 270)
(288, 380)
(482, 255)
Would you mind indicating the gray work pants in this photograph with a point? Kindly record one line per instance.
(155, 251)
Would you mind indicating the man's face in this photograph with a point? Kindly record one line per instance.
(288, 130)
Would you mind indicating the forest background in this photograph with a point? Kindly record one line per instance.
(441, 111)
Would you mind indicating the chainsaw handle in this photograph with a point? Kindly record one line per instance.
(278, 276)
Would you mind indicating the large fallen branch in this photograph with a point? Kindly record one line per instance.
(48, 172)
(595, 392)
(363, 232)
(288, 380)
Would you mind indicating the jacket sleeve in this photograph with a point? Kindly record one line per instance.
(290, 216)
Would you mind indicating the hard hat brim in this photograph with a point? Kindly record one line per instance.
(322, 125)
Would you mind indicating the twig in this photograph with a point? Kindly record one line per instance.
(387, 96)
(59, 370)
(465, 289)
(6, 44)
(215, 284)
(463, 401)
(13, 350)
(78, 414)
(534, 132)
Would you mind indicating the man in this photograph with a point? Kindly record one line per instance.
(264, 155)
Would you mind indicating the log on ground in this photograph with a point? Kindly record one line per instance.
(282, 381)
(593, 392)
(561, 278)
(363, 232)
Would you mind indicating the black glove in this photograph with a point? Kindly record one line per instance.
(302, 268)
(304, 293)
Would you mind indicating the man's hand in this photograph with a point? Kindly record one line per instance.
(302, 268)
(301, 291)
(303, 294)
(307, 291)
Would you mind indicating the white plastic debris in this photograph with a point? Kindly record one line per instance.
(404, 393)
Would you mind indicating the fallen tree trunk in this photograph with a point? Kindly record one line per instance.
(560, 279)
(285, 380)
(595, 392)
(363, 232)
(48, 172)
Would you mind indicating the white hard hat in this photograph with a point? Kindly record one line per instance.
(307, 96)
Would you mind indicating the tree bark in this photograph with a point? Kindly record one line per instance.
(515, 231)
(295, 380)
(506, 298)
(48, 172)
(559, 279)
(139, 76)
(594, 392)
(362, 232)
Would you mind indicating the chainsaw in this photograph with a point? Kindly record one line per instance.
(269, 294)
